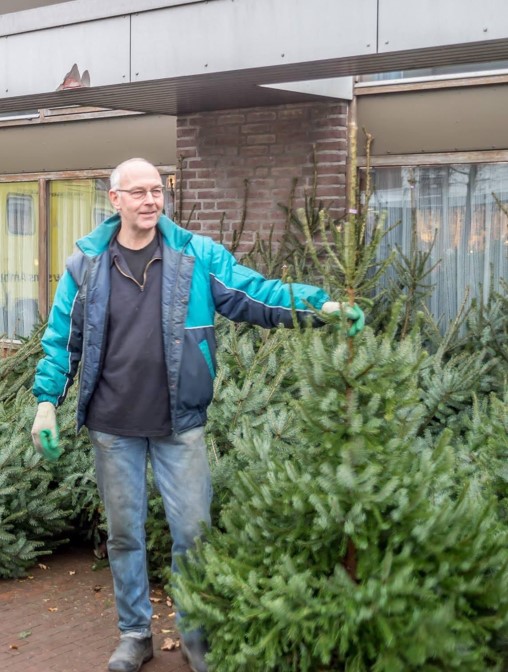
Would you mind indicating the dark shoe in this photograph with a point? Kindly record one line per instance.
(130, 654)
(194, 655)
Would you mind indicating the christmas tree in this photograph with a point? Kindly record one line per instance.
(370, 544)
(367, 548)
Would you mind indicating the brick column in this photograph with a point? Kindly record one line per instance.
(268, 147)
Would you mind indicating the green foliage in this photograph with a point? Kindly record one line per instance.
(17, 370)
(484, 447)
(32, 514)
(448, 386)
(367, 549)
(336, 254)
(487, 330)
(409, 281)
(255, 380)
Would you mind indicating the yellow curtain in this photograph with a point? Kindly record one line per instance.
(75, 208)
(19, 266)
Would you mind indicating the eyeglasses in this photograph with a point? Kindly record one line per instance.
(141, 194)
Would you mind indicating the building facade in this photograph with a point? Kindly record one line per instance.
(236, 102)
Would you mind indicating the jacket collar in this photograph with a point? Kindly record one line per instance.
(99, 239)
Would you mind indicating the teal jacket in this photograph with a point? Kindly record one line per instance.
(199, 279)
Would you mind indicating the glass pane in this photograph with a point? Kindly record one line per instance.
(76, 207)
(456, 207)
(20, 215)
(19, 272)
(437, 71)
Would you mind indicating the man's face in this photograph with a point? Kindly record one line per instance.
(139, 209)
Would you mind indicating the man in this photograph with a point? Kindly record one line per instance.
(136, 307)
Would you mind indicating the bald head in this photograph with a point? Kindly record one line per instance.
(125, 167)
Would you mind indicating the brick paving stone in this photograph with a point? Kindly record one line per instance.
(63, 619)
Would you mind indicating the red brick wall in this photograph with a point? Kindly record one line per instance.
(7, 349)
(268, 146)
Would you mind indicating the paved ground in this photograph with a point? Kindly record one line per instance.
(62, 619)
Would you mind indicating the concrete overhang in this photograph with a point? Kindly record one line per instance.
(180, 56)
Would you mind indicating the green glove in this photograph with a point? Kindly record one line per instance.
(50, 445)
(353, 313)
(45, 431)
(357, 316)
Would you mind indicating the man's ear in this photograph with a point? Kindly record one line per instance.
(114, 198)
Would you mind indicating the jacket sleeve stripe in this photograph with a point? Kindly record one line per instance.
(242, 294)
(264, 304)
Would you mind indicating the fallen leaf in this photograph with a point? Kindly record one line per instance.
(52, 608)
(166, 631)
(97, 588)
(171, 614)
(41, 566)
(71, 573)
(169, 602)
(155, 617)
(169, 644)
(156, 599)
(13, 646)
(25, 634)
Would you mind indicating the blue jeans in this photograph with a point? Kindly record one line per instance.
(182, 475)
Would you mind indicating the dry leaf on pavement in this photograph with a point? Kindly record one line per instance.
(169, 644)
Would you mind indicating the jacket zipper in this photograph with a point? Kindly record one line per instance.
(145, 272)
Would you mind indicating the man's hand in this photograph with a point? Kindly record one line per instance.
(45, 431)
(353, 313)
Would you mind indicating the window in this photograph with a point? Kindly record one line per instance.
(464, 69)
(459, 210)
(19, 264)
(20, 214)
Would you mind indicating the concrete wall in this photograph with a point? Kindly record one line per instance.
(267, 146)
(449, 120)
(82, 145)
